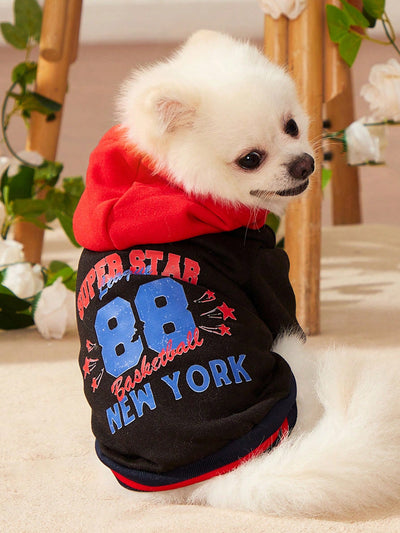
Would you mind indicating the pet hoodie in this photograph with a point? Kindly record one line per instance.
(178, 305)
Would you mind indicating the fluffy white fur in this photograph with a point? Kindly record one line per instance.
(342, 458)
(195, 115)
(215, 100)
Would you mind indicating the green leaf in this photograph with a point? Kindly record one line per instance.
(74, 186)
(29, 207)
(28, 16)
(66, 223)
(326, 177)
(338, 23)
(357, 18)
(10, 302)
(374, 8)
(56, 266)
(10, 321)
(273, 221)
(349, 47)
(32, 101)
(36, 221)
(371, 20)
(48, 173)
(17, 37)
(48, 103)
(18, 186)
(24, 73)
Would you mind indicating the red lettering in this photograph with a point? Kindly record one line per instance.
(85, 294)
(90, 279)
(117, 389)
(172, 267)
(145, 367)
(100, 268)
(154, 256)
(156, 363)
(114, 264)
(136, 259)
(81, 309)
(161, 360)
(191, 271)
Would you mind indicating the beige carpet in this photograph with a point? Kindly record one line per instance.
(50, 479)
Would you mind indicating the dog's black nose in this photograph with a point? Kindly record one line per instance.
(301, 167)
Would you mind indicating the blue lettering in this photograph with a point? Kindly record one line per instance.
(238, 369)
(125, 411)
(114, 418)
(143, 398)
(173, 384)
(190, 380)
(219, 372)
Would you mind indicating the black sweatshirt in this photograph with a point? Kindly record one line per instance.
(176, 355)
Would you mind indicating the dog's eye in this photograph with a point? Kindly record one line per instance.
(291, 128)
(251, 161)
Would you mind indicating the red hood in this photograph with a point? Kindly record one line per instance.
(125, 204)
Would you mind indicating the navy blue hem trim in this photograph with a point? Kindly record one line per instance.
(232, 452)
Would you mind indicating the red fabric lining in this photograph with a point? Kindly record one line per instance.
(219, 471)
(125, 204)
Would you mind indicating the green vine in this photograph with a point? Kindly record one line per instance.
(343, 24)
(21, 192)
(28, 190)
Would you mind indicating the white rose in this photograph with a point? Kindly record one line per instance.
(30, 157)
(383, 91)
(289, 8)
(2, 213)
(4, 163)
(55, 310)
(10, 252)
(362, 145)
(23, 279)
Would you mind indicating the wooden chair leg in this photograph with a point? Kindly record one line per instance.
(303, 219)
(345, 197)
(338, 95)
(276, 39)
(52, 75)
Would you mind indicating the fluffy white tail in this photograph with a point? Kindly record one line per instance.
(343, 455)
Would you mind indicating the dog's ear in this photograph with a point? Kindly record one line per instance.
(174, 108)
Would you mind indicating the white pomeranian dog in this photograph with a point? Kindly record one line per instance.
(218, 125)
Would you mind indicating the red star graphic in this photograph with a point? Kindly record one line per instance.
(88, 366)
(224, 330)
(89, 345)
(95, 385)
(227, 312)
(210, 295)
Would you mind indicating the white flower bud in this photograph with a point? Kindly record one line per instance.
(2, 213)
(55, 310)
(4, 164)
(10, 252)
(289, 8)
(23, 279)
(383, 91)
(362, 145)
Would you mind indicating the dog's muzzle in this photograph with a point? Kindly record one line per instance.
(299, 169)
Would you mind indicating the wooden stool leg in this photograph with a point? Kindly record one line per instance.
(340, 113)
(346, 207)
(51, 81)
(303, 219)
(276, 39)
